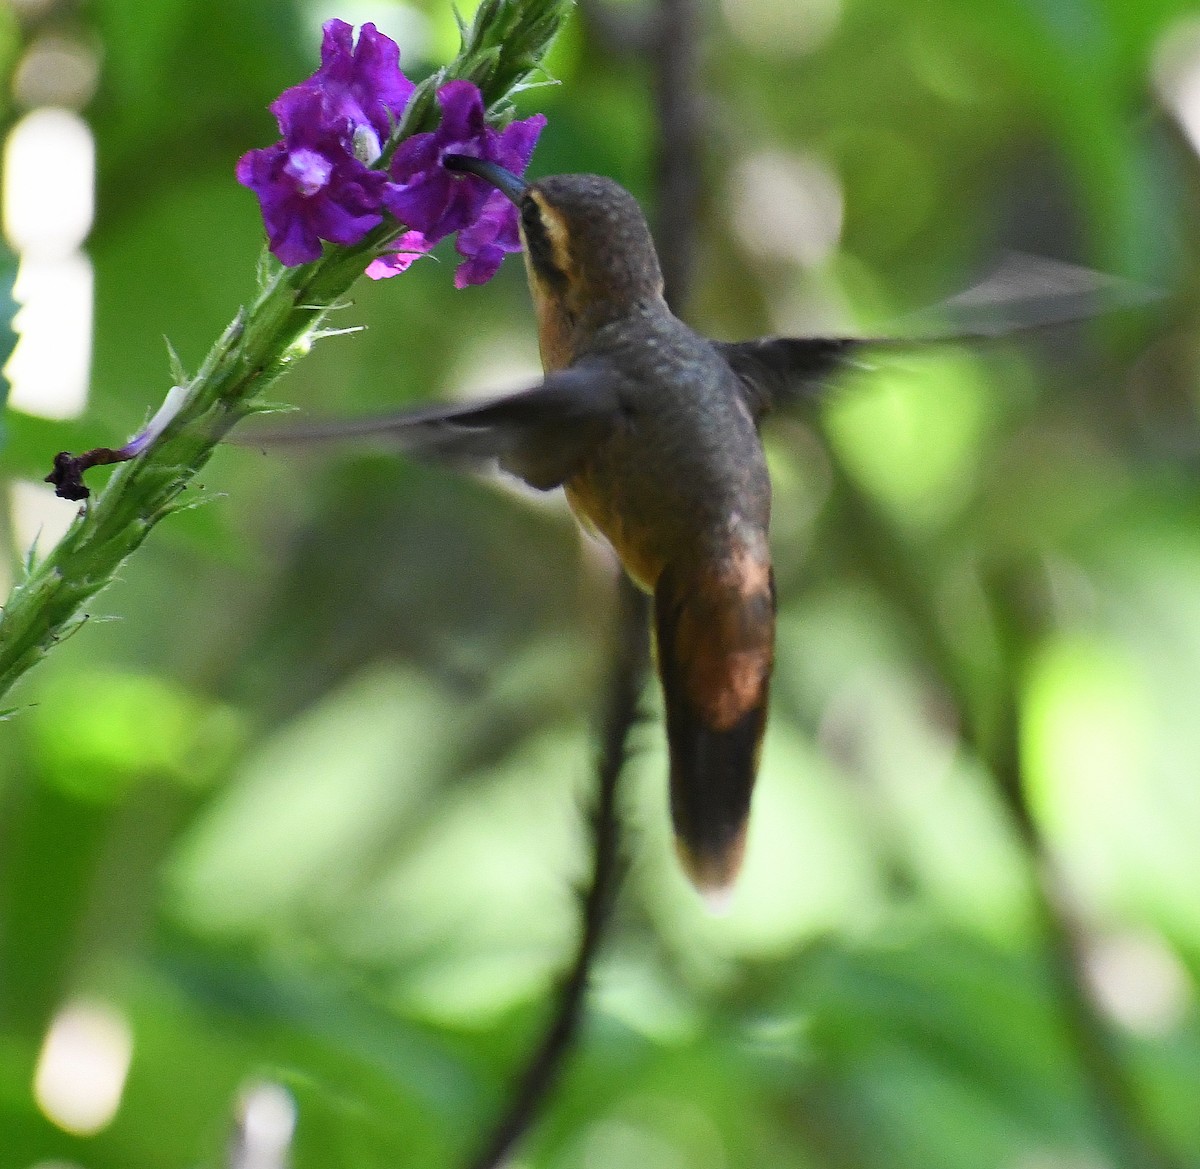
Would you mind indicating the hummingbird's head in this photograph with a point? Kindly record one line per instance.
(588, 249)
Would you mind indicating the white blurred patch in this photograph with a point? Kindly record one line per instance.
(1176, 74)
(48, 204)
(56, 70)
(782, 28)
(787, 206)
(617, 1144)
(39, 517)
(266, 1123)
(82, 1067)
(50, 368)
(1057, 1159)
(1138, 982)
(31, 9)
(49, 182)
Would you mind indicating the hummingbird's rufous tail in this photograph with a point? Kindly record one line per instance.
(714, 635)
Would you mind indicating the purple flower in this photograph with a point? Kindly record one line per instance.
(310, 185)
(410, 247)
(426, 196)
(494, 235)
(314, 185)
(486, 242)
(362, 82)
(429, 198)
(317, 183)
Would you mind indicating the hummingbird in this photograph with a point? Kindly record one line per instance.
(652, 430)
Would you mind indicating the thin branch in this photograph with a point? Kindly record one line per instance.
(1116, 1105)
(672, 49)
(678, 150)
(618, 30)
(545, 1063)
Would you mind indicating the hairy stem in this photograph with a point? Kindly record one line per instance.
(505, 43)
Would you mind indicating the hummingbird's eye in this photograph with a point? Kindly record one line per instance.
(531, 216)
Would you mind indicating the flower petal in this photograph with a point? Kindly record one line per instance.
(410, 247)
(378, 58)
(516, 142)
(462, 112)
(422, 203)
(302, 114)
(414, 155)
(486, 242)
(479, 269)
(361, 82)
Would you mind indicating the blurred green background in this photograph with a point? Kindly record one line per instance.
(301, 802)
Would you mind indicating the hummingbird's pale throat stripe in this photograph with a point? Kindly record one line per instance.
(556, 233)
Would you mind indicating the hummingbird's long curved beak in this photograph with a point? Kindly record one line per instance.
(507, 183)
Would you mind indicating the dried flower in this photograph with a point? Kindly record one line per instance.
(67, 475)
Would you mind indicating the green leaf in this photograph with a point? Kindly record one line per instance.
(178, 374)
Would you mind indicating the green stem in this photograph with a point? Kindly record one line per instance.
(504, 45)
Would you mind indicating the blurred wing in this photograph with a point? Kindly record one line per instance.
(541, 435)
(777, 372)
(1024, 294)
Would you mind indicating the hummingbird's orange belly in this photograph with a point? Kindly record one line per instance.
(636, 542)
